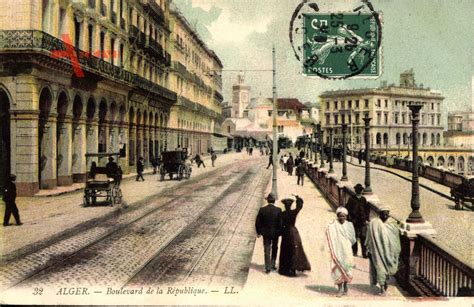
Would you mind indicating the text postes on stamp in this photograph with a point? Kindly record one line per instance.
(341, 45)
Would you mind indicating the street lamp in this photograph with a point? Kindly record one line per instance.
(320, 135)
(415, 215)
(344, 145)
(367, 189)
(331, 168)
(313, 147)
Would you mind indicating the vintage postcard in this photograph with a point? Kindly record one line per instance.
(237, 152)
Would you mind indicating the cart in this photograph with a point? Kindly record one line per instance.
(175, 162)
(103, 182)
(463, 194)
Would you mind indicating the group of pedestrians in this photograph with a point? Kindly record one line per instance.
(379, 239)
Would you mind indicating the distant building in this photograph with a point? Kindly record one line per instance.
(460, 130)
(387, 105)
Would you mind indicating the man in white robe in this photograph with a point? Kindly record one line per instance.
(341, 236)
(383, 245)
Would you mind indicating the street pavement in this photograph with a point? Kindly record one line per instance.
(454, 227)
(45, 218)
(317, 285)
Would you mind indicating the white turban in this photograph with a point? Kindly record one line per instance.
(342, 210)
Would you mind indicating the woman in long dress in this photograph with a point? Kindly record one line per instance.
(292, 256)
(341, 236)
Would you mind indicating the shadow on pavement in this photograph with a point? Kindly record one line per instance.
(324, 289)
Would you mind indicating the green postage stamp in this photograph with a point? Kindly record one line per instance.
(341, 45)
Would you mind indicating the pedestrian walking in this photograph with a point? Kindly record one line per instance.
(285, 161)
(140, 168)
(199, 161)
(292, 256)
(289, 165)
(251, 150)
(383, 246)
(268, 224)
(340, 235)
(359, 213)
(300, 173)
(359, 156)
(282, 163)
(213, 158)
(270, 160)
(9, 197)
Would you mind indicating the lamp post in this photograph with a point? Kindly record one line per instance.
(311, 144)
(275, 140)
(367, 189)
(331, 168)
(320, 135)
(315, 144)
(344, 145)
(415, 215)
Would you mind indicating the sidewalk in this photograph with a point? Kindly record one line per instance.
(44, 217)
(316, 284)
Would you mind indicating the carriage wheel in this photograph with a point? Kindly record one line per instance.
(188, 172)
(85, 200)
(180, 172)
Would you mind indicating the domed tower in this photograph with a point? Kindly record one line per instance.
(240, 96)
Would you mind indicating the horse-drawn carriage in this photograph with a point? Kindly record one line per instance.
(463, 194)
(103, 180)
(175, 162)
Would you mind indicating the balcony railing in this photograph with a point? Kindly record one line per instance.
(155, 10)
(136, 36)
(41, 42)
(92, 4)
(154, 47)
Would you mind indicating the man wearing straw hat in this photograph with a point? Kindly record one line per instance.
(383, 246)
(268, 225)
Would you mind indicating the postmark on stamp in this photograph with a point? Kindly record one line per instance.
(338, 45)
(341, 45)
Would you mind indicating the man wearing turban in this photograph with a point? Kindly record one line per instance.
(341, 236)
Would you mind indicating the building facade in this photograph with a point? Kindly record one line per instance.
(196, 78)
(388, 108)
(460, 132)
(83, 76)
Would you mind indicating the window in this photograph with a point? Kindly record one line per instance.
(121, 55)
(403, 118)
(335, 105)
(386, 103)
(328, 121)
(90, 35)
(378, 103)
(386, 118)
(432, 106)
(396, 118)
(336, 119)
(349, 104)
(102, 42)
(366, 102)
(77, 33)
(357, 104)
(112, 50)
(357, 118)
(379, 118)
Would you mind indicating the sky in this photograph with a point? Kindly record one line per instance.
(434, 37)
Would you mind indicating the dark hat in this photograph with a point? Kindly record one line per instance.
(270, 198)
(111, 158)
(287, 201)
(12, 177)
(358, 188)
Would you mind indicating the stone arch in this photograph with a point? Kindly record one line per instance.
(425, 138)
(5, 139)
(90, 109)
(45, 136)
(78, 162)
(433, 139)
(440, 161)
(430, 160)
(131, 136)
(139, 134)
(451, 163)
(121, 115)
(77, 108)
(397, 138)
(378, 138)
(460, 165)
(62, 140)
(113, 112)
(438, 139)
(405, 139)
(103, 110)
(470, 165)
(385, 138)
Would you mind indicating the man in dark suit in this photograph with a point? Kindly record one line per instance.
(268, 225)
(359, 214)
(9, 197)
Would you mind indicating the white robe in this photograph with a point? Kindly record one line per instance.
(340, 238)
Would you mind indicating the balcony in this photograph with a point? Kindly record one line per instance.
(154, 47)
(137, 37)
(122, 23)
(113, 17)
(39, 42)
(92, 4)
(155, 11)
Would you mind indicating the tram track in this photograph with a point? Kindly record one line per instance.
(178, 260)
(48, 273)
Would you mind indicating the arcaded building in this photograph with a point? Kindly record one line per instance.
(387, 105)
(83, 76)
